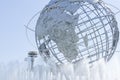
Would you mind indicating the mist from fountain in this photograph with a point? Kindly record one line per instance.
(80, 71)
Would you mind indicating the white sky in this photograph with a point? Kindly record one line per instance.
(14, 14)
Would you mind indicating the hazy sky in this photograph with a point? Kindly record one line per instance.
(14, 14)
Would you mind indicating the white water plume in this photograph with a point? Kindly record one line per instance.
(80, 71)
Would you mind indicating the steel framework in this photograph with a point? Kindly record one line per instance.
(97, 30)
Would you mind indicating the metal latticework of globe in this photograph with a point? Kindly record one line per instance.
(95, 33)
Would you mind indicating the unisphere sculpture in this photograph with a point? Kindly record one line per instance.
(71, 30)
